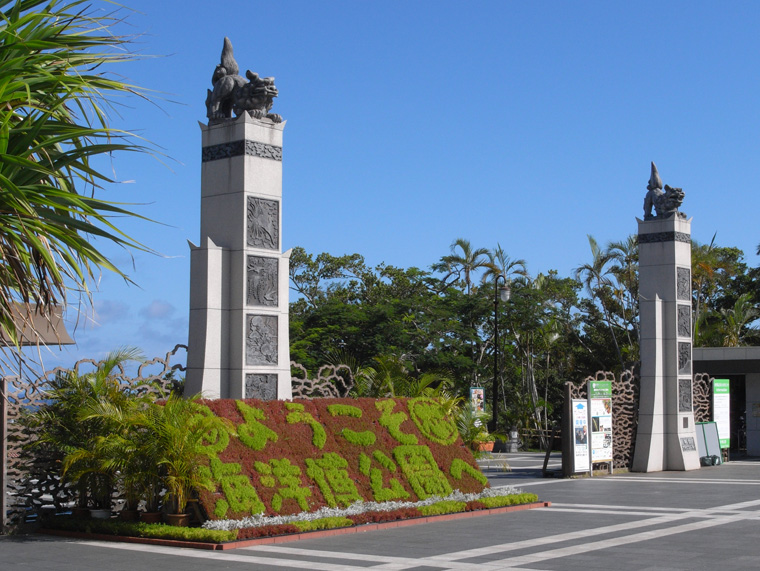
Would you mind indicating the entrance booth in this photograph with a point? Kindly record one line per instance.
(741, 366)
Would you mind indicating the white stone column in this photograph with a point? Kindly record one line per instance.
(666, 437)
(238, 344)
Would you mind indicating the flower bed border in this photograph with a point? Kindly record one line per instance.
(294, 536)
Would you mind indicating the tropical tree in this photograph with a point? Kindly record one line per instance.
(500, 264)
(624, 256)
(596, 276)
(54, 131)
(462, 262)
(714, 269)
(732, 327)
(180, 429)
(71, 435)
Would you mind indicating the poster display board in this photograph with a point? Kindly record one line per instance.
(708, 443)
(600, 414)
(478, 399)
(580, 436)
(722, 410)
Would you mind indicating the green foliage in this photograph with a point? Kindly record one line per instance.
(395, 491)
(365, 462)
(444, 507)
(459, 468)
(384, 461)
(54, 132)
(290, 474)
(140, 529)
(412, 332)
(319, 436)
(432, 420)
(331, 475)
(239, 493)
(323, 523)
(253, 433)
(472, 427)
(510, 500)
(344, 410)
(393, 420)
(364, 438)
(421, 471)
(217, 438)
(179, 429)
(73, 427)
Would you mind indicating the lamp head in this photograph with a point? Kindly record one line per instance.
(505, 292)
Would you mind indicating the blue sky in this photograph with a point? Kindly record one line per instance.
(410, 124)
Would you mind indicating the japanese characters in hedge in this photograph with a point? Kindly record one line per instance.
(290, 457)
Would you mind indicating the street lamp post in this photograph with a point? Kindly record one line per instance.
(499, 293)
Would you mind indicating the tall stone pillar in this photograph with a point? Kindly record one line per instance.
(239, 344)
(666, 436)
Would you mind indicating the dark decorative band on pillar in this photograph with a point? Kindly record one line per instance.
(238, 148)
(664, 237)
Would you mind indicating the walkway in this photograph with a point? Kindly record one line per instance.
(706, 519)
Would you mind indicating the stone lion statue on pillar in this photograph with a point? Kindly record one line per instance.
(665, 204)
(234, 93)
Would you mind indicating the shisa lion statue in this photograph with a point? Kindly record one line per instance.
(232, 93)
(666, 203)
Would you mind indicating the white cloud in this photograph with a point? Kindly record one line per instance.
(107, 311)
(158, 309)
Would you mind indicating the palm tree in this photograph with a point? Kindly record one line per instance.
(181, 429)
(66, 427)
(625, 257)
(707, 266)
(465, 263)
(54, 129)
(595, 277)
(729, 327)
(500, 264)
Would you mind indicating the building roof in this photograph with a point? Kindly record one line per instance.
(726, 360)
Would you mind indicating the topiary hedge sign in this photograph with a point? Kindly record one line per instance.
(284, 458)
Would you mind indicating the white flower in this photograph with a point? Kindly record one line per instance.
(356, 508)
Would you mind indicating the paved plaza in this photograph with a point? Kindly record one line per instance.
(704, 519)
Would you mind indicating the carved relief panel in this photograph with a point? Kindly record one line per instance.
(683, 284)
(261, 277)
(684, 320)
(261, 340)
(261, 386)
(688, 444)
(263, 223)
(684, 358)
(684, 395)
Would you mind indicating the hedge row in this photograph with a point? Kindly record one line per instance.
(284, 458)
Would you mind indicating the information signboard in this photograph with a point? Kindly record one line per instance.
(580, 436)
(477, 399)
(722, 410)
(600, 412)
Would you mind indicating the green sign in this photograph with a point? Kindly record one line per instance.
(722, 410)
(721, 386)
(599, 389)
